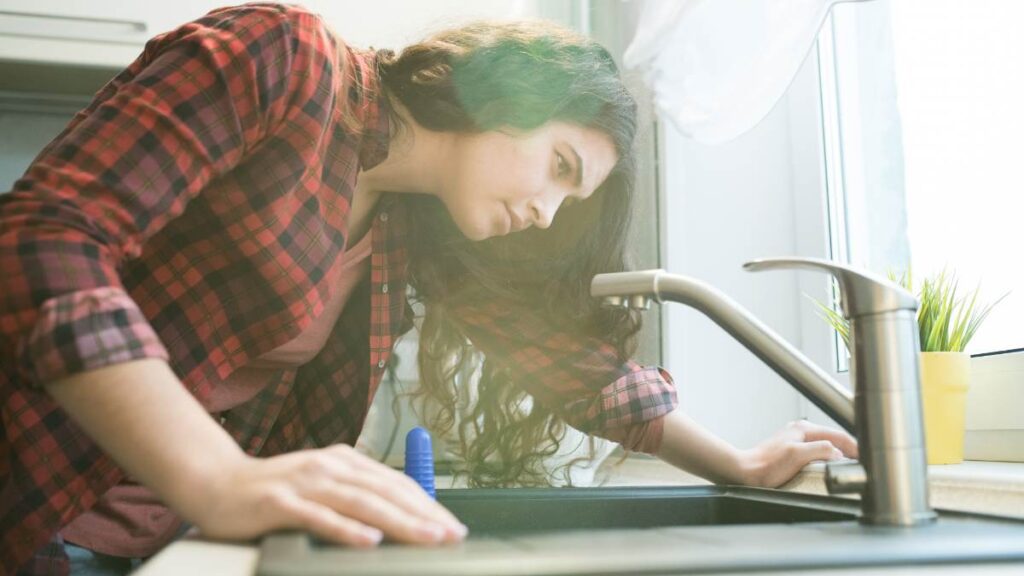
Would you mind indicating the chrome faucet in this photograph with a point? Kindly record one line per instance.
(884, 414)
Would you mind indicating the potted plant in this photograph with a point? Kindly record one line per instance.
(946, 323)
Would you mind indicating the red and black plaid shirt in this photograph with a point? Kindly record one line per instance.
(194, 212)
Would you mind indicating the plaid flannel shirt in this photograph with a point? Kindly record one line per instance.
(194, 212)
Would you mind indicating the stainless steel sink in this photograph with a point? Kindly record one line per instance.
(660, 530)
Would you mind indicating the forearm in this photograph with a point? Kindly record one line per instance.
(145, 419)
(687, 445)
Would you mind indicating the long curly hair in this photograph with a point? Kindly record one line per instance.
(486, 76)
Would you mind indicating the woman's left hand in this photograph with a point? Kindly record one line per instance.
(778, 459)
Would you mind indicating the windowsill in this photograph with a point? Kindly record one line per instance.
(971, 486)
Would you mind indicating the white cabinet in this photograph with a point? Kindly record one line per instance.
(103, 33)
(111, 33)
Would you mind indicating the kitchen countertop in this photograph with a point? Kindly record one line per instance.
(982, 487)
(971, 486)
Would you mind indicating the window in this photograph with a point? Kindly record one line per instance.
(929, 116)
(922, 120)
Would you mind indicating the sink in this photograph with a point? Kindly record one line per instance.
(517, 512)
(655, 530)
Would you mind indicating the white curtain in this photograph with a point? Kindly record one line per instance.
(717, 67)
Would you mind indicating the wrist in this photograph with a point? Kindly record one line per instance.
(750, 467)
(199, 486)
(689, 446)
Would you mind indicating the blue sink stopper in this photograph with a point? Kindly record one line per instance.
(419, 459)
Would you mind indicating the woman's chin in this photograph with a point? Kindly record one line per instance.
(478, 232)
(477, 235)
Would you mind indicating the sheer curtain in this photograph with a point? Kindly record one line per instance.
(717, 67)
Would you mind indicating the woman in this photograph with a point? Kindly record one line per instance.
(230, 228)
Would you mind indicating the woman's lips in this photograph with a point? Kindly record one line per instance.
(515, 223)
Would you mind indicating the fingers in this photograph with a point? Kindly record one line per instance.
(369, 491)
(334, 495)
(369, 508)
(395, 486)
(817, 450)
(325, 523)
(846, 443)
(409, 497)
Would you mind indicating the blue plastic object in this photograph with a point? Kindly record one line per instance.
(419, 459)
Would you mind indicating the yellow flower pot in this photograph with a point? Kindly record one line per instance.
(944, 380)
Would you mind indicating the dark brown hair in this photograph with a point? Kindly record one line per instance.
(488, 76)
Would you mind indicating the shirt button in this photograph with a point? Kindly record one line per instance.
(384, 288)
(383, 216)
(380, 363)
(223, 420)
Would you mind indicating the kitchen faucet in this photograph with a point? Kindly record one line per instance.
(884, 413)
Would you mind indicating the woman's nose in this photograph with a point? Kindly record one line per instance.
(542, 210)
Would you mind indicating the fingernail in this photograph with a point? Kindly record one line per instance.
(435, 532)
(373, 535)
(459, 531)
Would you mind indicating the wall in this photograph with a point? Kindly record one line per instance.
(396, 23)
(722, 206)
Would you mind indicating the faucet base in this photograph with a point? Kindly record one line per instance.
(897, 520)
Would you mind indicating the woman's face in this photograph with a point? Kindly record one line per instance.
(502, 182)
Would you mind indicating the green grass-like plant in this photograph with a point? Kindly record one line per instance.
(946, 321)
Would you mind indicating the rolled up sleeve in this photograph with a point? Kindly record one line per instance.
(582, 379)
(85, 330)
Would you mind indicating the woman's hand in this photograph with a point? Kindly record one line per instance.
(335, 493)
(778, 459)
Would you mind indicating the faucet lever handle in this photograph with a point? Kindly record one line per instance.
(860, 292)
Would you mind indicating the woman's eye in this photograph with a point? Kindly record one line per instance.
(563, 166)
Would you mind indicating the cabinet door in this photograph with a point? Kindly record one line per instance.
(107, 34)
(110, 22)
(104, 33)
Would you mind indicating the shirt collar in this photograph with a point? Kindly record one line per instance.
(375, 111)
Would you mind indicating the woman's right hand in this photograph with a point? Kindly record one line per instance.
(335, 493)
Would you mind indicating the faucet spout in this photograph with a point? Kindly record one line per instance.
(892, 476)
(772, 349)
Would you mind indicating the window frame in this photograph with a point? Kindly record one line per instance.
(816, 215)
(821, 203)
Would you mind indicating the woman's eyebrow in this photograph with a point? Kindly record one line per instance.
(579, 166)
